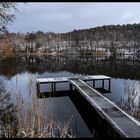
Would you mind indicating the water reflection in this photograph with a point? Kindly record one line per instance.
(18, 74)
(112, 66)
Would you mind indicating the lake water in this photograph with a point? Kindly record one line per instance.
(18, 75)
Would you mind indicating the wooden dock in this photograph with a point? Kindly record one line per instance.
(109, 116)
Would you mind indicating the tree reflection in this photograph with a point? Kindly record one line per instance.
(111, 66)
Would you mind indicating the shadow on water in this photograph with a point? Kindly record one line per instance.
(100, 129)
(64, 93)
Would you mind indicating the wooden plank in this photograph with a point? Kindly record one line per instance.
(50, 80)
(123, 123)
(66, 79)
(96, 77)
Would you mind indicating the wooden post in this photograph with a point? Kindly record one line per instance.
(38, 89)
(109, 85)
(70, 87)
(93, 83)
(103, 84)
(52, 86)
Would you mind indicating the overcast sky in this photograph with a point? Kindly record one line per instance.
(65, 17)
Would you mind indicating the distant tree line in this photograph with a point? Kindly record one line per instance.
(111, 32)
(103, 38)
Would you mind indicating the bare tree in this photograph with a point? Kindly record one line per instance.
(6, 14)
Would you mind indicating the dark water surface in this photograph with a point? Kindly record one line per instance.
(18, 75)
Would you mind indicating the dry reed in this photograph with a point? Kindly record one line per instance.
(29, 119)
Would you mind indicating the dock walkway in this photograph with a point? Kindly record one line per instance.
(124, 125)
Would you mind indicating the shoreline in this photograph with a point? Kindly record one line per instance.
(52, 54)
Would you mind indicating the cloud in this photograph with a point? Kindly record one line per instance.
(64, 17)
